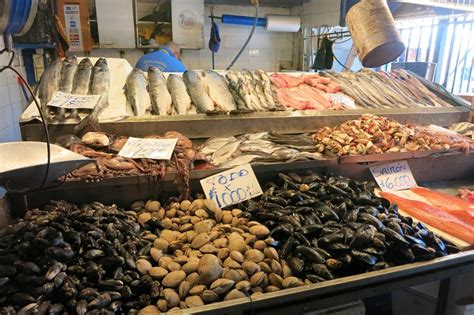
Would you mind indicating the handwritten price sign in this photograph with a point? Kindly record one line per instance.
(232, 186)
(393, 176)
(157, 149)
(73, 101)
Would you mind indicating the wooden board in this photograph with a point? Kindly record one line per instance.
(462, 245)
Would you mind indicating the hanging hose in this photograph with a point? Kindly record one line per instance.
(255, 3)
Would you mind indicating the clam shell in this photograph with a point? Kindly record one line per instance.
(254, 255)
(152, 206)
(291, 282)
(260, 231)
(237, 256)
(158, 272)
(204, 226)
(190, 267)
(243, 286)
(171, 297)
(234, 294)
(237, 245)
(231, 274)
(222, 286)
(183, 289)
(143, 266)
(275, 280)
(185, 205)
(162, 305)
(260, 245)
(161, 244)
(232, 264)
(156, 254)
(257, 278)
(271, 253)
(200, 240)
(223, 253)
(209, 296)
(250, 267)
(149, 310)
(197, 290)
(174, 266)
(194, 301)
(173, 279)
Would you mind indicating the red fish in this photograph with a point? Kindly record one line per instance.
(435, 217)
(458, 207)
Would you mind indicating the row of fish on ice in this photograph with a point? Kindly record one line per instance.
(194, 92)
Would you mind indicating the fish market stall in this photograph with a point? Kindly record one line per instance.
(230, 102)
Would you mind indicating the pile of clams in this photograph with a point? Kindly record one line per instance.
(202, 254)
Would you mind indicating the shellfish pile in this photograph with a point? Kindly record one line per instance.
(69, 259)
(329, 227)
(204, 254)
(372, 134)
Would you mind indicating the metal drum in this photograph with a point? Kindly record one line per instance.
(374, 34)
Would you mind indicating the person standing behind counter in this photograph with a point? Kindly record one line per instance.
(165, 59)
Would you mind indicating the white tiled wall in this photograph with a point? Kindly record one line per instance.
(318, 12)
(273, 48)
(12, 100)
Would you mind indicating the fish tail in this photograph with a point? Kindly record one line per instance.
(90, 121)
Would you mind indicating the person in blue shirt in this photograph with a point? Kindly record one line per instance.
(165, 59)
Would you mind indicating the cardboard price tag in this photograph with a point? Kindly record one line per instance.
(157, 149)
(232, 186)
(393, 176)
(73, 101)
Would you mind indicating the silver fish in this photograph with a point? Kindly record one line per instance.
(213, 144)
(181, 100)
(49, 83)
(68, 71)
(197, 92)
(241, 97)
(100, 85)
(224, 153)
(248, 158)
(137, 94)
(80, 84)
(218, 91)
(161, 101)
(82, 78)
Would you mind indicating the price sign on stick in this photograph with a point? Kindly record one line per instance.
(232, 186)
(157, 149)
(73, 101)
(393, 176)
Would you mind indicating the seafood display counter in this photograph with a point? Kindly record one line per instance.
(205, 126)
(319, 235)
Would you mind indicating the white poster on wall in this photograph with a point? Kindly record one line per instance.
(72, 18)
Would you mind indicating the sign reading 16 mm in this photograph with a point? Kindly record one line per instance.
(232, 186)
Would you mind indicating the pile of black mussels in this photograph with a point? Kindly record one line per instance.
(328, 227)
(66, 259)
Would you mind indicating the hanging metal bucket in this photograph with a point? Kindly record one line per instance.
(373, 32)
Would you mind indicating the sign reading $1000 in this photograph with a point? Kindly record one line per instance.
(232, 186)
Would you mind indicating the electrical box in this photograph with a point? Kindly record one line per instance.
(187, 18)
(116, 27)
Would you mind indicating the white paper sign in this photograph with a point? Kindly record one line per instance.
(340, 98)
(71, 101)
(393, 176)
(157, 149)
(232, 186)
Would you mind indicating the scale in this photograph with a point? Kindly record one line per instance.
(24, 166)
